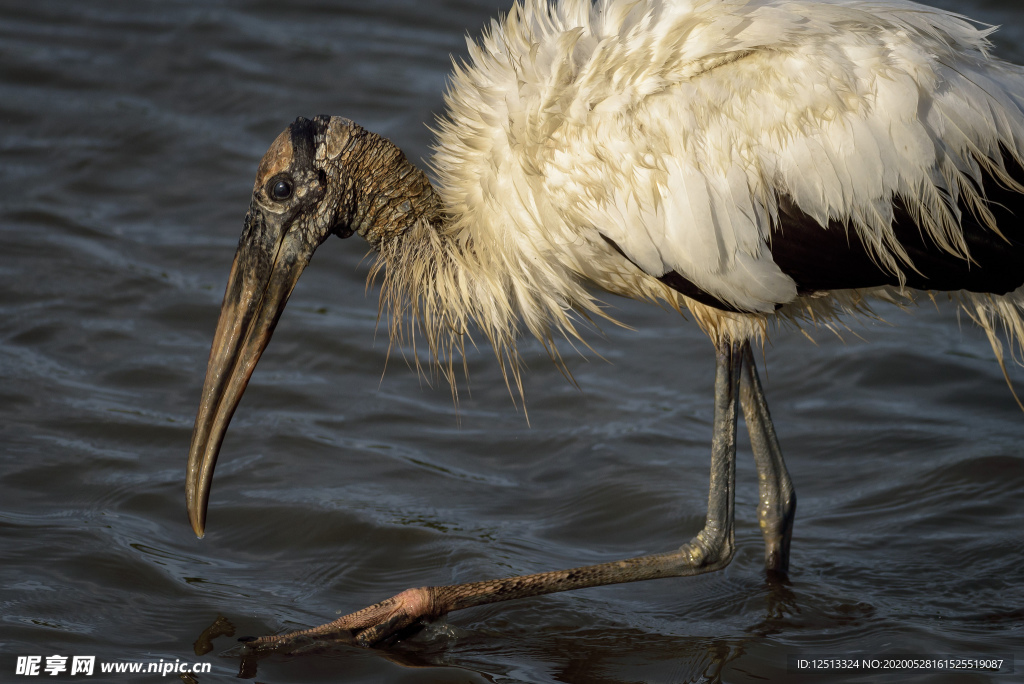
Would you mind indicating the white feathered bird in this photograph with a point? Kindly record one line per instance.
(750, 161)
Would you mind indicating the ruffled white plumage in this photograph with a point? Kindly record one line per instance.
(672, 127)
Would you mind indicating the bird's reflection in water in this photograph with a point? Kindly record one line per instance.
(249, 655)
(220, 627)
(591, 655)
(781, 603)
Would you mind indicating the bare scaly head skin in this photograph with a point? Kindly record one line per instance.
(320, 176)
(277, 159)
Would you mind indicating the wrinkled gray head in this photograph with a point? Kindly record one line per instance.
(320, 176)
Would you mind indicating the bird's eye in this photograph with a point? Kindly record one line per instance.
(281, 190)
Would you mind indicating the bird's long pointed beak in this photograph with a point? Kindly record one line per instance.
(264, 272)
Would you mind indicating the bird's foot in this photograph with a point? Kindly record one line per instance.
(365, 628)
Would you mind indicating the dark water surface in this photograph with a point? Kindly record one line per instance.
(129, 136)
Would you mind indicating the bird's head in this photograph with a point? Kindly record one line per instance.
(321, 176)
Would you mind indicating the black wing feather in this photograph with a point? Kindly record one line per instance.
(835, 258)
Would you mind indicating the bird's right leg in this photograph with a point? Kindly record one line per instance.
(777, 506)
(710, 550)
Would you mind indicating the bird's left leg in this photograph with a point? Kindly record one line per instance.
(711, 549)
(777, 499)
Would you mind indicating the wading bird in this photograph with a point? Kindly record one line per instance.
(752, 162)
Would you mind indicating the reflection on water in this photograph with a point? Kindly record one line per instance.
(130, 133)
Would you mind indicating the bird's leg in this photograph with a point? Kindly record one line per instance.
(777, 506)
(711, 549)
